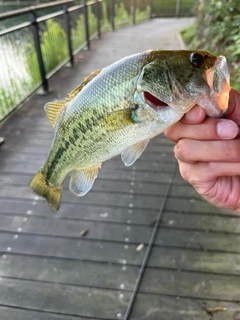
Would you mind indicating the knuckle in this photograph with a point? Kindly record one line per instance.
(170, 134)
(181, 150)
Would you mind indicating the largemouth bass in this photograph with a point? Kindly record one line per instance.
(118, 109)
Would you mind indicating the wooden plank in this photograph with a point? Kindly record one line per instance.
(192, 205)
(208, 222)
(190, 284)
(79, 249)
(65, 299)
(203, 240)
(87, 212)
(101, 198)
(148, 176)
(99, 230)
(12, 313)
(102, 230)
(84, 249)
(195, 260)
(186, 191)
(71, 272)
(152, 307)
(92, 274)
(106, 185)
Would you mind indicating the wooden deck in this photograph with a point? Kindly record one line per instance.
(190, 260)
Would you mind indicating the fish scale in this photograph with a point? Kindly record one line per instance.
(117, 110)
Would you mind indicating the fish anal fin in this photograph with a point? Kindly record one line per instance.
(132, 153)
(39, 186)
(82, 180)
(85, 81)
(52, 110)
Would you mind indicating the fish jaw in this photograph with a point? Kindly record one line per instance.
(217, 78)
(165, 112)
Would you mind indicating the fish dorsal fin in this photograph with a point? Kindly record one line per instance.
(85, 81)
(82, 180)
(132, 153)
(52, 110)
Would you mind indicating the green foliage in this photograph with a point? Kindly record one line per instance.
(78, 33)
(92, 22)
(217, 29)
(53, 45)
(164, 8)
(143, 14)
(121, 14)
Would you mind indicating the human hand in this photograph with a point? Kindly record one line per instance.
(208, 153)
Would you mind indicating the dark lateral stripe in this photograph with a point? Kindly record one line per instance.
(59, 154)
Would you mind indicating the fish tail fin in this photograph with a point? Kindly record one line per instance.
(39, 186)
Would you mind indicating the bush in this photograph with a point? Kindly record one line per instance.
(217, 29)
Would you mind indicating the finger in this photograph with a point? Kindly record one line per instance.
(192, 151)
(202, 172)
(210, 129)
(219, 183)
(233, 112)
(195, 115)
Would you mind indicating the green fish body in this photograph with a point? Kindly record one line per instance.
(118, 109)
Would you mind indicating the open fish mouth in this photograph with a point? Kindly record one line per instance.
(153, 101)
(164, 111)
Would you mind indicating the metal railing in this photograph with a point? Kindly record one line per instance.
(32, 51)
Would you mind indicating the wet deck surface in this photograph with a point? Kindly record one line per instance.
(49, 272)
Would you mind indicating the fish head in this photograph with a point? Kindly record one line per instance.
(182, 79)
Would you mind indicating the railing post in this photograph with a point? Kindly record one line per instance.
(178, 5)
(36, 39)
(98, 18)
(134, 11)
(86, 24)
(112, 12)
(151, 9)
(68, 31)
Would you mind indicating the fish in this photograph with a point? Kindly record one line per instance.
(117, 110)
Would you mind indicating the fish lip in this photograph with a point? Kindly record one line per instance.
(217, 78)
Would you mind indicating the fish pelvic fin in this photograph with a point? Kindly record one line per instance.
(132, 153)
(39, 186)
(82, 180)
(52, 110)
(83, 84)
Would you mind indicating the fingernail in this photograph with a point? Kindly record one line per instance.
(227, 129)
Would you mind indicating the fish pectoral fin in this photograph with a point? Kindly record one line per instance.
(52, 110)
(82, 180)
(132, 153)
(85, 81)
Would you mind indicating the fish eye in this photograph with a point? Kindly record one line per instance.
(197, 60)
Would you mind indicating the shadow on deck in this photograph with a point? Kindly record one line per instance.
(49, 272)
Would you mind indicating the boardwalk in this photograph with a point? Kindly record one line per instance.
(49, 272)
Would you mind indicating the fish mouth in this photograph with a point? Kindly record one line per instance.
(217, 78)
(155, 103)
